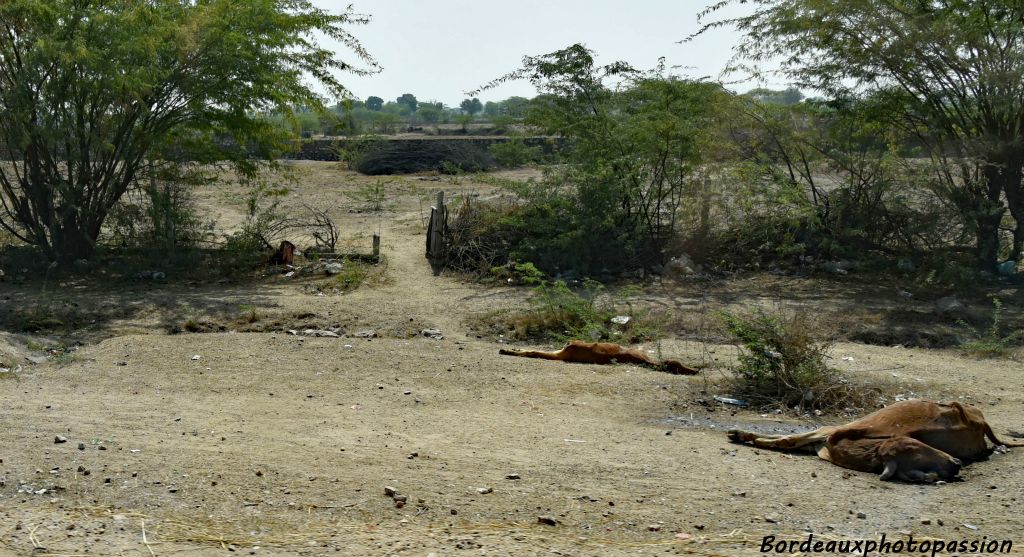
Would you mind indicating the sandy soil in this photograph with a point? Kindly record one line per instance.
(272, 444)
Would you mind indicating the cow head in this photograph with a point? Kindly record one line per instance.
(908, 459)
(677, 368)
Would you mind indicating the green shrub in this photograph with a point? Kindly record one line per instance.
(513, 153)
(992, 342)
(559, 313)
(782, 362)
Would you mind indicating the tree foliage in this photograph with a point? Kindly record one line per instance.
(471, 106)
(408, 102)
(952, 73)
(97, 94)
(634, 153)
(374, 102)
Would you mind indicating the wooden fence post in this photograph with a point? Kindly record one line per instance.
(436, 229)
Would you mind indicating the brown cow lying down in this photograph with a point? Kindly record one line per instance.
(913, 440)
(602, 353)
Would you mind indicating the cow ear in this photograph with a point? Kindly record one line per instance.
(890, 470)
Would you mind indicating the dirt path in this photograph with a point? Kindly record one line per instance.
(269, 444)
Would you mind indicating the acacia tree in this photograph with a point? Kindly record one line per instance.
(96, 95)
(952, 70)
(635, 152)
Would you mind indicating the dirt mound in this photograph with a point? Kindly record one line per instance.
(404, 157)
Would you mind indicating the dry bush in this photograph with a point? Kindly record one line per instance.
(783, 363)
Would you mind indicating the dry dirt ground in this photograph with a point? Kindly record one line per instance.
(266, 443)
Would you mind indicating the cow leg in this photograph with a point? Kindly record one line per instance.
(533, 354)
(811, 440)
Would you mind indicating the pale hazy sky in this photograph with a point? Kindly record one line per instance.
(439, 49)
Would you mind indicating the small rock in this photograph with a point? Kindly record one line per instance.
(512, 476)
(412, 455)
(454, 512)
(432, 333)
(81, 446)
(862, 515)
(369, 333)
(771, 519)
(333, 268)
(37, 359)
(390, 491)
(926, 521)
(548, 520)
(484, 490)
(407, 392)
(950, 306)
(60, 439)
(654, 527)
(196, 358)
(320, 333)
(400, 498)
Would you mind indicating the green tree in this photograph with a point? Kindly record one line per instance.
(408, 101)
(953, 74)
(471, 106)
(96, 95)
(374, 103)
(430, 113)
(633, 154)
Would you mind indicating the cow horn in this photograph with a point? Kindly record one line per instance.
(890, 470)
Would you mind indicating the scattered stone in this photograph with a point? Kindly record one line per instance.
(839, 267)
(368, 333)
(926, 521)
(334, 268)
(407, 392)
(454, 512)
(196, 358)
(320, 333)
(60, 439)
(399, 503)
(390, 491)
(862, 515)
(548, 520)
(484, 490)
(432, 333)
(512, 476)
(81, 446)
(413, 455)
(400, 498)
(654, 527)
(37, 359)
(950, 306)
(621, 319)
(771, 519)
(679, 266)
